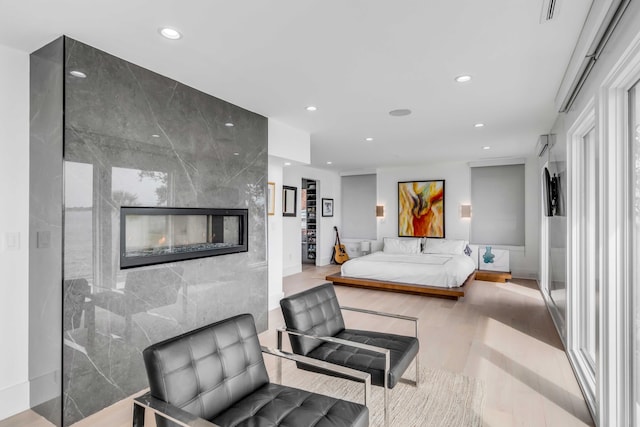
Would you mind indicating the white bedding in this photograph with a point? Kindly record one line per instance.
(440, 270)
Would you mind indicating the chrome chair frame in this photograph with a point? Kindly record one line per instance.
(362, 346)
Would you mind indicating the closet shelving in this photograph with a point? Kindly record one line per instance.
(309, 220)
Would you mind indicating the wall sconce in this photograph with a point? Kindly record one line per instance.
(379, 211)
(465, 211)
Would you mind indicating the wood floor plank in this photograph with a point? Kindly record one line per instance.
(501, 334)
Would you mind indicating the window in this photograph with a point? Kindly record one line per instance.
(497, 200)
(359, 206)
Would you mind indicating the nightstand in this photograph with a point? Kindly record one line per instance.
(493, 276)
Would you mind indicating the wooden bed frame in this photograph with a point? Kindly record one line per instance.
(450, 293)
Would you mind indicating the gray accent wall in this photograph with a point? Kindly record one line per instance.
(45, 229)
(136, 138)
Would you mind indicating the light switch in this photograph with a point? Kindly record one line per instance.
(43, 239)
(12, 241)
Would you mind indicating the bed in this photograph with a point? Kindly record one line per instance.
(438, 267)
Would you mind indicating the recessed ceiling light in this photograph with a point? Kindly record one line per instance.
(329, 163)
(155, 135)
(368, 139)
(236, 154)
(463, 78)
(170, 33)
(312, 108)
(79, 74)
(229, 124)
(400, 112)
(479, 125)
(486, 147)
(287, 163)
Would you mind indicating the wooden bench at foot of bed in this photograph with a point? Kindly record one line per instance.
(408, 288)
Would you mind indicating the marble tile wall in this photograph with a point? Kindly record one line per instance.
(45, 230)
(136, 138)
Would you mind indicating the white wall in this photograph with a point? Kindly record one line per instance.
(456, 187)
(14, 218)
(329, 187)
(524, 263)
(286, 144)
(289, 143)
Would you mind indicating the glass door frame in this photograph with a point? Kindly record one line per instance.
(634, 291)
(580, 255)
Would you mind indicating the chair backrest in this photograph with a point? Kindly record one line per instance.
(316, 312)
(209, 369)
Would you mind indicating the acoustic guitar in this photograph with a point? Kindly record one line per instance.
(340, 255)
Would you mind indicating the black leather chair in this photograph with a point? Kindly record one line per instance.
(216, 375)
(316, 329)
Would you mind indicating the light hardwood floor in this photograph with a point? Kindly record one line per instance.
(499, 333)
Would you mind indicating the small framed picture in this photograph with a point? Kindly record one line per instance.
(327, 207)
(272, 198)
(289, 200)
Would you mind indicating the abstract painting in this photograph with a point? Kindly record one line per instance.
(421, 209)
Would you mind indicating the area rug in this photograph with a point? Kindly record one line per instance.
(443, 399)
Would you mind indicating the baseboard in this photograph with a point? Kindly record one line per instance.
(323, 261)
(292, 269)
(14, 400)
(45, 388)
(524, 274)
(274, 300)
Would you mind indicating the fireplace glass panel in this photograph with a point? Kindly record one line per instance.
(155, 235)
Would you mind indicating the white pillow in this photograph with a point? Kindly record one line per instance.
(401, 246)
(444, 246)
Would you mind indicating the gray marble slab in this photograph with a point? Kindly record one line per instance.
(135, 138)
(45, 230)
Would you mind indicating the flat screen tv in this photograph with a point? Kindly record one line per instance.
(550, 190)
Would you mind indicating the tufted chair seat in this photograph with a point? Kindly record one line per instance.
(403, 350)
(276, 405)
(216, 375)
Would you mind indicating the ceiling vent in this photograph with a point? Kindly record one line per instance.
(549, 8)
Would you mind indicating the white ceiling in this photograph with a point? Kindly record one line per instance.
(354, 59)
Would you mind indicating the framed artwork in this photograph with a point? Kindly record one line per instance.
(289, 200)
(327, 207)
(271, 210)
(421, 208)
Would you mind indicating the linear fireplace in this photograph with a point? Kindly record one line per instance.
(157, 235)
